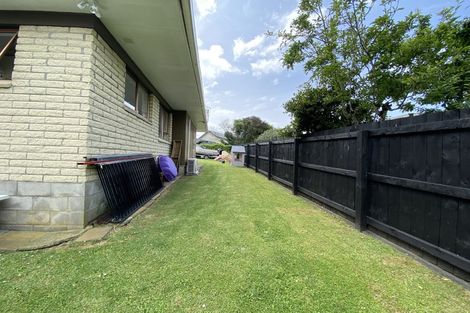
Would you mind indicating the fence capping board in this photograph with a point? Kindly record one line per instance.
(281, 142)
(339, 136)
(453, 124)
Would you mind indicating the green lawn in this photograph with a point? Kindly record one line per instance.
(227, 240)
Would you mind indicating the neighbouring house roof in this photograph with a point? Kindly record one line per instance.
(211, 136)
(238, 149)
(158, 35)
(217, 134)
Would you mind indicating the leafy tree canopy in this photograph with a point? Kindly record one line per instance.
(272, 134)
(246, 130)
(362, 68)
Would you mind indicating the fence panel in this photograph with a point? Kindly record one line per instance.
(283, 161)
(414, 172)
(263, 158)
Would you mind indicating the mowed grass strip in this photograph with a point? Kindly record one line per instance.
(227, 240)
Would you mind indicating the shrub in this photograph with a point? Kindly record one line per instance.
(215, 146)
(271, 135)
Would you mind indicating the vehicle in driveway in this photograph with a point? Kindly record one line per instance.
(204, 153)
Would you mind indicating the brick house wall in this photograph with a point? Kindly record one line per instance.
(65, 102)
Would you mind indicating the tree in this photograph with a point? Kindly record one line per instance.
(443, 68)
(246, 130)
(272, 134)
(374, 66)
(314, 109)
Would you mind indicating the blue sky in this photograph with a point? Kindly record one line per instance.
(241, 68)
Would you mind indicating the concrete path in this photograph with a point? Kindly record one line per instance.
(32, 240)
(95, 234)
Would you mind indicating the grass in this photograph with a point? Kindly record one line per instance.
(227, 241)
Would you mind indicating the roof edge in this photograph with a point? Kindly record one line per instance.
(186, 11)
(9, 18)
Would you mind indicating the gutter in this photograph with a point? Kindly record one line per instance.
(189, 27)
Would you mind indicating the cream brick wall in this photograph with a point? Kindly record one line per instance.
(67, 101)
(113, 128)
(43, 115)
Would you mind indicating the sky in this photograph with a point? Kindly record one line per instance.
(241, 66)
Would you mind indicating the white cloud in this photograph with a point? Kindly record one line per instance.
(208, 86)
(206, 7)
(250, 47)
(264, 51)
(266, 66)
(276, 81)
(212, 84)
(286, 20)
(213, 64)
(218, 114)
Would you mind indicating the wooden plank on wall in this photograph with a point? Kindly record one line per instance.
(393, 196)
(448, 222)
(270, 160)
(463, 220)
(361, 179)
(256, 157)
(434, 151)
(295, 174)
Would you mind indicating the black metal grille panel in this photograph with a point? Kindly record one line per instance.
(128, 184)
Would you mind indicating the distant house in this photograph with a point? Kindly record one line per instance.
(210, 137)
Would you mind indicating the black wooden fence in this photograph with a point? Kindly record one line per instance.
(408, 178)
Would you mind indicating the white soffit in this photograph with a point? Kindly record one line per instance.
(159, 37)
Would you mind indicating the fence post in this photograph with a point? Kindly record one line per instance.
(295, 177)
(270, 161)
(247, 156)
(256, 157)
(361, 178)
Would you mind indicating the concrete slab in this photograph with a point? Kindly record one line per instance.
(32, 240)
(94, 234)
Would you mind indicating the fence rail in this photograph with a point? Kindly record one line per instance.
(408, 178)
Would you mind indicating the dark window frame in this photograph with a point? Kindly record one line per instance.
(10, 44)
(164, 127)
(137, 106)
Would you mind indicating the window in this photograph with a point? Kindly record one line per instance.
(136, 97)
(164, 127)
(7, 52)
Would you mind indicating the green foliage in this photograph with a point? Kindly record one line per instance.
(246, 130)
(375, 66)
(216, 146)
(443, 68)
(272, 134)
(314, 109)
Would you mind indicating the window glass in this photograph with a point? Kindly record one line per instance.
(164, 124)
(131, 89)
(142, 101)
(7, 53)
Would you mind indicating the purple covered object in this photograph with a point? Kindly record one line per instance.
(168, 167)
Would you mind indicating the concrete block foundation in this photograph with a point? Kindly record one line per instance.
(50, 206)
